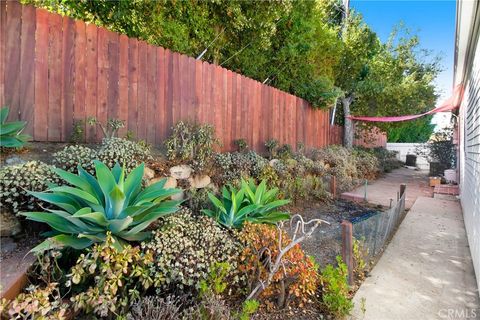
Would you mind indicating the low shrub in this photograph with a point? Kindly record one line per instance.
(36, 303)
(16, 180)
(271, 145)
(70, 157)
(185, 248)
(159, 308)
(296, 283)
(192, 144)
(128, 153)
(366, 163)
(231, 167)
(241, 145)
(105, 281)
(335, 290)
(387, 159)
(111, 202)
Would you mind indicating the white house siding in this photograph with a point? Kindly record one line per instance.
(403, 149)
(470, 160)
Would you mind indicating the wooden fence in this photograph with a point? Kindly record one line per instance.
(55, 70)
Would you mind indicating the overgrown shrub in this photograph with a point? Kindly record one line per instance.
(366, 163)
(70, 157)
(231, 167)
(185, 247)
(296, 283)
(192, 144)
(271, 145)
(387, 160)
(123, 151)
(36, 303)
(16, 180)
(335, 290)
(105, 281)
(241, 145)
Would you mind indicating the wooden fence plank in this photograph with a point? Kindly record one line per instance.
(80, 74)
(3, 28)
(168, 91)
(40, 131)
(27, 67)
(68, 76)
(113, 75)
(151, 93)
(102, 81)
(176, 88)
(160, 127)
(199, 101)
(12, 59)
(55, 119)
(132, 85)
(142, 92)
(91, 74)
(123, 83)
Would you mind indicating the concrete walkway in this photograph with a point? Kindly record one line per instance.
(426, 271)
(385, 188)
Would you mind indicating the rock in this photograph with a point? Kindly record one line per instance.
(9, 224)
(181, 172)
(273, 162)
(148, 173)
(170, 184)
(199, 182)
(14, 160)
(178, 196)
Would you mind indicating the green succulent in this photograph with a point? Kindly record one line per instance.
(10, 132)
(250, 203)
(93, 206)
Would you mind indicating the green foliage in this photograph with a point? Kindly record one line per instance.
(215, 283)
(335, 289)
(440, 149)
(414, 131)
(11, 132)
(387, 159)
(272, 147)
(231, 167)
(251, 203)
(128, 153)
(110, 128)
(78, 132)
(241, 145)
(111, 202)
(36, 303)
(249, 307)
(360, 253)
(366, 163)
(70, 157)
(192, 143)
(16, 180)
(105, 281)
(186, 248)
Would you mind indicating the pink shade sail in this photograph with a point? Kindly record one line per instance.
(450, 104)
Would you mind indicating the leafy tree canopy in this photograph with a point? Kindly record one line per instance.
(419, 130)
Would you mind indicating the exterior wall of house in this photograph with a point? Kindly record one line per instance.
(469, 130)
(403, 149)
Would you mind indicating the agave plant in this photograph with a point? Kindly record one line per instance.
(249, 203)
(10, 132)
(91, 207)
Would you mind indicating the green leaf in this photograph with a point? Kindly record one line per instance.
(76, 193)
(53, 220)
(133, 183)
(61, 241)
(4, 114)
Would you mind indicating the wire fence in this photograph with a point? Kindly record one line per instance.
(372, 231)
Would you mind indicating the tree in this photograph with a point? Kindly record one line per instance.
(414, 131)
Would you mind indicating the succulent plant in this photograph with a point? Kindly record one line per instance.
(111, 202)
(73, 156)
(11, 132)
(16, 180)
(186, 247)
(123, 151)
(251, 203)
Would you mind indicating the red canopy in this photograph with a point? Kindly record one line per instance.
(450, 104)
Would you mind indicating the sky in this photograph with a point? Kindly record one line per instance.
(434, 23)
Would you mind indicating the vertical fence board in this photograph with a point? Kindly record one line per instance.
(176, 90)
(228, 119)
(168, 90)
(199, 102)
(40, 131)
(27, 67)
(132, 85)
(68, 76)
(80, 53)
(12, 58)
(123, 83)
(91, 75)
(3, 27)
(142, 90)
(113, 75)
(55, 120)
(151, 92)
(160, 128)
(102, 82)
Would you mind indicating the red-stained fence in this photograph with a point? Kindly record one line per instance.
(55, 70)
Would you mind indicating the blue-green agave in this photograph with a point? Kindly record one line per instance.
(10, 132)
(252, 203)
(91, 207)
